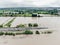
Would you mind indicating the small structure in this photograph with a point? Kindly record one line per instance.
(35, 15)
(10, 13)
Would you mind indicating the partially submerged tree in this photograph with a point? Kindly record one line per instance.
(35, 25)
(29, 25)
(1, 26)
(37, 32)
(28, 32)
(21, 25)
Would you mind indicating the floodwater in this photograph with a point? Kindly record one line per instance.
(52, 23)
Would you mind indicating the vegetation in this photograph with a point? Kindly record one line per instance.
(21, 25)
(9, 23)
(53, 12)
(1, 33)
(9, 33)
(1, 26)
(47, 32)
(30, 25)
(27, 12)
(19, 33)
(37, 32)
(28, 32)
(35, 25)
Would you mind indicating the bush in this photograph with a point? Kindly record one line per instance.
(28, 32)
(8, 25)
(37, 32)
(1, 33)
(9, 34)
(19, 33)
(35, 25)
(30, 25)
(34, 15)
(47, 32)
(1, 26)
(21, 25)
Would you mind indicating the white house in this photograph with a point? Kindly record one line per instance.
(10, 13)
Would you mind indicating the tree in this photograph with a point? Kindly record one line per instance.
(21, 25)
(30, 25)
(35, 25)
(28, 32)
(37, 32)
(1, 26)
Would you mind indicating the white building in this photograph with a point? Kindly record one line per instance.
(10, 13)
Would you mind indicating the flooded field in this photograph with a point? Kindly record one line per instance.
(53, 23)
(50, 22)
(42, 39)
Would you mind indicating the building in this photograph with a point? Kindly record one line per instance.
(10, 13)
(35, 15)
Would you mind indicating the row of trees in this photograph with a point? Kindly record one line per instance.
(27, 32)
(33, 25)
(13, 34)
(21, 25)
(31, 11)
(54, 11)
(29, 25)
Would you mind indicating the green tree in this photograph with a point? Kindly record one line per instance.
(30, 25)
(37, 32)
(28, 32)
(35, 25)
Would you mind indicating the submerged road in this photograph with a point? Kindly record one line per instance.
(25, 28)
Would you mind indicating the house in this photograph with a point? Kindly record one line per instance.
(35, 15)
(10, 13)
